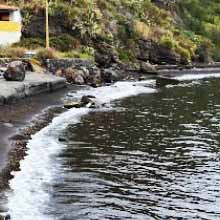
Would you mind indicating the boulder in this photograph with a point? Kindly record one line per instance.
(94, 77)
(105, 54)
(70, 105)
(15, 71)
(87, 99)
(79, 79)
(110, 75)
(147, 68)
(72, 75)
(163, 81)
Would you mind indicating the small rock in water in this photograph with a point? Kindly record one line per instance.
(87, 99)
(163, 81)
(7, 217)
(62, 139)
(91, 105)
(70, 105)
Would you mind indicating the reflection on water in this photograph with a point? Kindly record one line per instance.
(155, 156)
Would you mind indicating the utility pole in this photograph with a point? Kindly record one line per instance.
(47, 27)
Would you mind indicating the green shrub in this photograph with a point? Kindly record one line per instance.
(184, 53)
(204, 49)
(125, 55)
(64, 42)
(31, 43)
(215, 54)
(168, 41)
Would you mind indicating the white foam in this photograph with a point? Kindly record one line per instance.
(30, 187)
(187, 77)
(118, 90)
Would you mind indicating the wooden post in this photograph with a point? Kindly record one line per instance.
(47, 27)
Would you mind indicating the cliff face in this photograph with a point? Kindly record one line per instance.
(127, 27)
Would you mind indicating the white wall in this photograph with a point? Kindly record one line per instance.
(9, 37)
(16, 16)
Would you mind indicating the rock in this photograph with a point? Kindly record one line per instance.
(69, 73)
(150, 51)
(110, 75)
(95, 85)
(163, 55)
(91, 105)
(28, 65)
(60, 73)
(94, 76)
(7, 217)
(62, 139)
(85, 72)
(70, 105)
(79, 80)
(163, 81)
(147, 68)
(87, 99)
(15, 71)
(105, 54)
(141, 78)
(72, 75)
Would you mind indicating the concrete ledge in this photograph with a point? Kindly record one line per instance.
(34, 83)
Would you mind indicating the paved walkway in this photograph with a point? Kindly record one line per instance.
(33, 84)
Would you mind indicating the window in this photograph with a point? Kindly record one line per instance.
(4, 16)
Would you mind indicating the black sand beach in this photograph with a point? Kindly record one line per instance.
(18, 115)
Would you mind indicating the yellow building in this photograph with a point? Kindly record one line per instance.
(10, 24)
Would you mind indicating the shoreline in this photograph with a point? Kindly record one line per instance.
(19, 121)
(19, 116)
(23, 119)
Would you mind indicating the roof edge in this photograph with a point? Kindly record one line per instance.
(8, 7)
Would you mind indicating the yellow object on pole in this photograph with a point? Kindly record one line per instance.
(47, 27)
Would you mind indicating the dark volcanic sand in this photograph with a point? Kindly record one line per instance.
(18, 115)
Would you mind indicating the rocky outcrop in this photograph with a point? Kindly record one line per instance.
(80, 71)
(77, 71)
(15, 71)
(105, 54)
(156, 54)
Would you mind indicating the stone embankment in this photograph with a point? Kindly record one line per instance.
(34, 83)
(87, 72)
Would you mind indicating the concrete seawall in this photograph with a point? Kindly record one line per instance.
(34, 83)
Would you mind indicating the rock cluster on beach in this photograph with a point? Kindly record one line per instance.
(15, 71)
(86, 72)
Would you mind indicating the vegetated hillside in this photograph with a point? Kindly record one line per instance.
(157, 31)
(202, 20)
